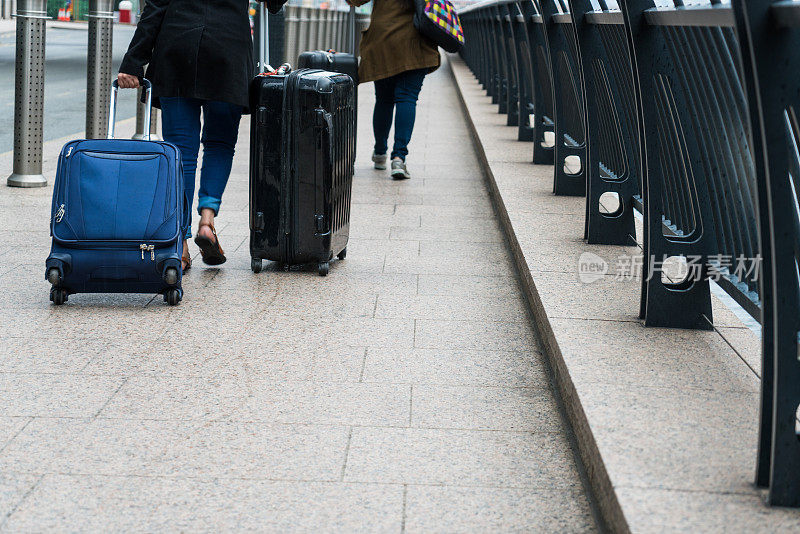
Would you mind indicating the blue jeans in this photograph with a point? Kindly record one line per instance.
(398, 92)
(181, 127)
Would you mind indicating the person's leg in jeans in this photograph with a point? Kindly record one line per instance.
(180, 125)
(382, 118)
(220, 133)
(406, 93)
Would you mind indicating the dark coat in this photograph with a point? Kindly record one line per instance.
(392, 44)
(195, 48)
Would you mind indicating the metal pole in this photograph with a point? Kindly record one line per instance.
(351, 19)
(141, 108)
(98, 79)
(29, 95)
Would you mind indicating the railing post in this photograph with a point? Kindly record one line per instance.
(302, 32)
(567, 80)
(98, 79)
(328, 34)
(608, 76)
(140, 106)
(29, 95)
(773, 95)
(290, 35)
(314, 30)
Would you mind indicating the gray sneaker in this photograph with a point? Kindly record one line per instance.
(380, 161)
(399, 170)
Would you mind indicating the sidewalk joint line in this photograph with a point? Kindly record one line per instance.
(106, 403)
(22, 500)
(405, 499)
(410, 405)
(346, 453)
(7, 443)
(363, 366)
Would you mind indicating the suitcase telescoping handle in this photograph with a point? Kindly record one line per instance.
(353, 31)
(112, 115)
(263, 45)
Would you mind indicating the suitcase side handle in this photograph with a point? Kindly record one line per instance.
(112, 114)
(324, 127)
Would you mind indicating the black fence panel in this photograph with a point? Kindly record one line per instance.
(513, 66)
(688, 113)
(505, 11)
(570, 129)
(698, 174)
(525, 108)
(769, 34)
(543, 102)
(612, 162)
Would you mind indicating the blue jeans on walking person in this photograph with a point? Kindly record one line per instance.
(397, 93)
(181, 127)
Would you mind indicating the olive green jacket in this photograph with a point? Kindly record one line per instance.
(392, 44)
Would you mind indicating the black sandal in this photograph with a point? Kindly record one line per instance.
(210, 250)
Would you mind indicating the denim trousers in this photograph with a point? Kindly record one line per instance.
(396, 94)
(181, 127)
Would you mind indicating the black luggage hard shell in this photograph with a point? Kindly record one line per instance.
(336, 61)
(302, 150)
(330, 61)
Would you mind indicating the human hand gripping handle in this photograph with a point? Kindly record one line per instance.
(127, 81)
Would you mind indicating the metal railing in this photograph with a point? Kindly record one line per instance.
(7, 8)
(29, 94)
(311, 28)
(298, 29)
(30, 77)
(688, 113)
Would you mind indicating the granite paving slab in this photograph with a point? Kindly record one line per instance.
(407, 390)
(449, 509)
(154, 504)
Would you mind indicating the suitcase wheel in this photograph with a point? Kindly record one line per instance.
(58, 296)
(343, 254)
(172, 296)
(323, 268)
(256, 265)
(54, 276)
(171, 276)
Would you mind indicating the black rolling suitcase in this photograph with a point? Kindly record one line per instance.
(335, 61)
(332, 61)
(302, 148)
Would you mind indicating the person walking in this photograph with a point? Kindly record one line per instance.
(199, 57)
(397, 58)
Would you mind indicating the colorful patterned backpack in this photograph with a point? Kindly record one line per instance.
(438, 21)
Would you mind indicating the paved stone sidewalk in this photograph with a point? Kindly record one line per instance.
(405, 391)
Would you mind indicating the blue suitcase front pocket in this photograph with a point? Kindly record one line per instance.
(114, 274)
(116, 197)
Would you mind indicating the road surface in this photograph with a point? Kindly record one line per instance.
(65, 75)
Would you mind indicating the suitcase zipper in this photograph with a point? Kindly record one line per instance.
(60, 213)
(148, 248)
(69, 152)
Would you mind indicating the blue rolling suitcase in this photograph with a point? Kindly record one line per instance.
(118, 217)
